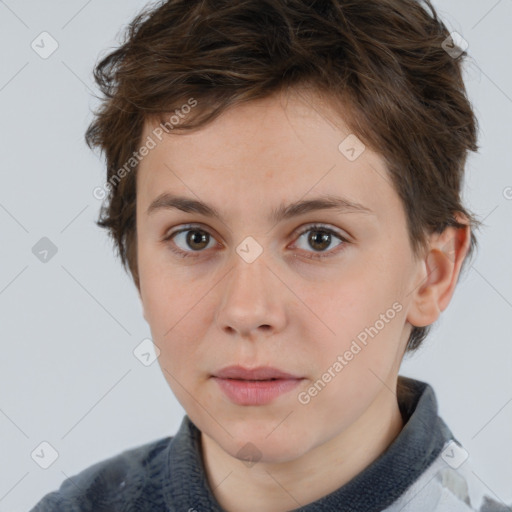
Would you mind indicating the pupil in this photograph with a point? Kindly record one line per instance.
(197, 237)
(323, 240)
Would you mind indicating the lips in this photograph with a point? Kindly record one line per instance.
(255, 386)
(254, 374)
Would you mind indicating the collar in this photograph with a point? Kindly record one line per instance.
(372, 490)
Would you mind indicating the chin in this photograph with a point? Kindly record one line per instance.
(255, 443)
(267, 453)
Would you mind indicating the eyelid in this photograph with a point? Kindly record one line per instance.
(169, 235)
(185, 227)
(319, 226)
(316, 226)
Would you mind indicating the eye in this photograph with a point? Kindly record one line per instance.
(320, 238)
(192, 240)
(190, 237)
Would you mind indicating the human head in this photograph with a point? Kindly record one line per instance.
(380, 62)
(226, 280)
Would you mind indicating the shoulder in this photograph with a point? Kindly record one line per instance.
(448, 485)
(110, 482)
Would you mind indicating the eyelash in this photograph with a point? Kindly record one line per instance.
(313, 227)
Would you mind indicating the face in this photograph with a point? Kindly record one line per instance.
(320, 293)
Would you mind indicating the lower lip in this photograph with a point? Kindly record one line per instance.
(246, 392)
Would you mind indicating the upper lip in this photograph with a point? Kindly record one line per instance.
(259, 373)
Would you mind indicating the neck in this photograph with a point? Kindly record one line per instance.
(289, 485)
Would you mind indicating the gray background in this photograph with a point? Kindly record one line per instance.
(69, 326)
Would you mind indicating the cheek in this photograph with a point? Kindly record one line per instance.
(171, 313)
(353, 301)
(176, 315)
(351, 371)
(365, 318)
(337, 399)
(162, 291)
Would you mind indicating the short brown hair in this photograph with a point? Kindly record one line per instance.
(383, 62)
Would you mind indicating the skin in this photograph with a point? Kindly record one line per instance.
(285, 310)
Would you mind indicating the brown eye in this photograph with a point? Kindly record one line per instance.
(196, 239)
(185, 242)
(320, 238)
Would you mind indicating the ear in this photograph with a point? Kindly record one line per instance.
(438, 273)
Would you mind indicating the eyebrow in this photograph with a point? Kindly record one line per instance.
(167, 201)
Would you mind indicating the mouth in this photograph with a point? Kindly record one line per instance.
(257, 386)
(253, 374)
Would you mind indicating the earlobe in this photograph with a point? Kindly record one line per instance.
(438, 274)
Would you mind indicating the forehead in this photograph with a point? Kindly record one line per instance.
(265, 152)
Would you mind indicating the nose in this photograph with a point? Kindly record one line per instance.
(252, 299)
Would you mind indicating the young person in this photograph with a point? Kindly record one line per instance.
(284, 181)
